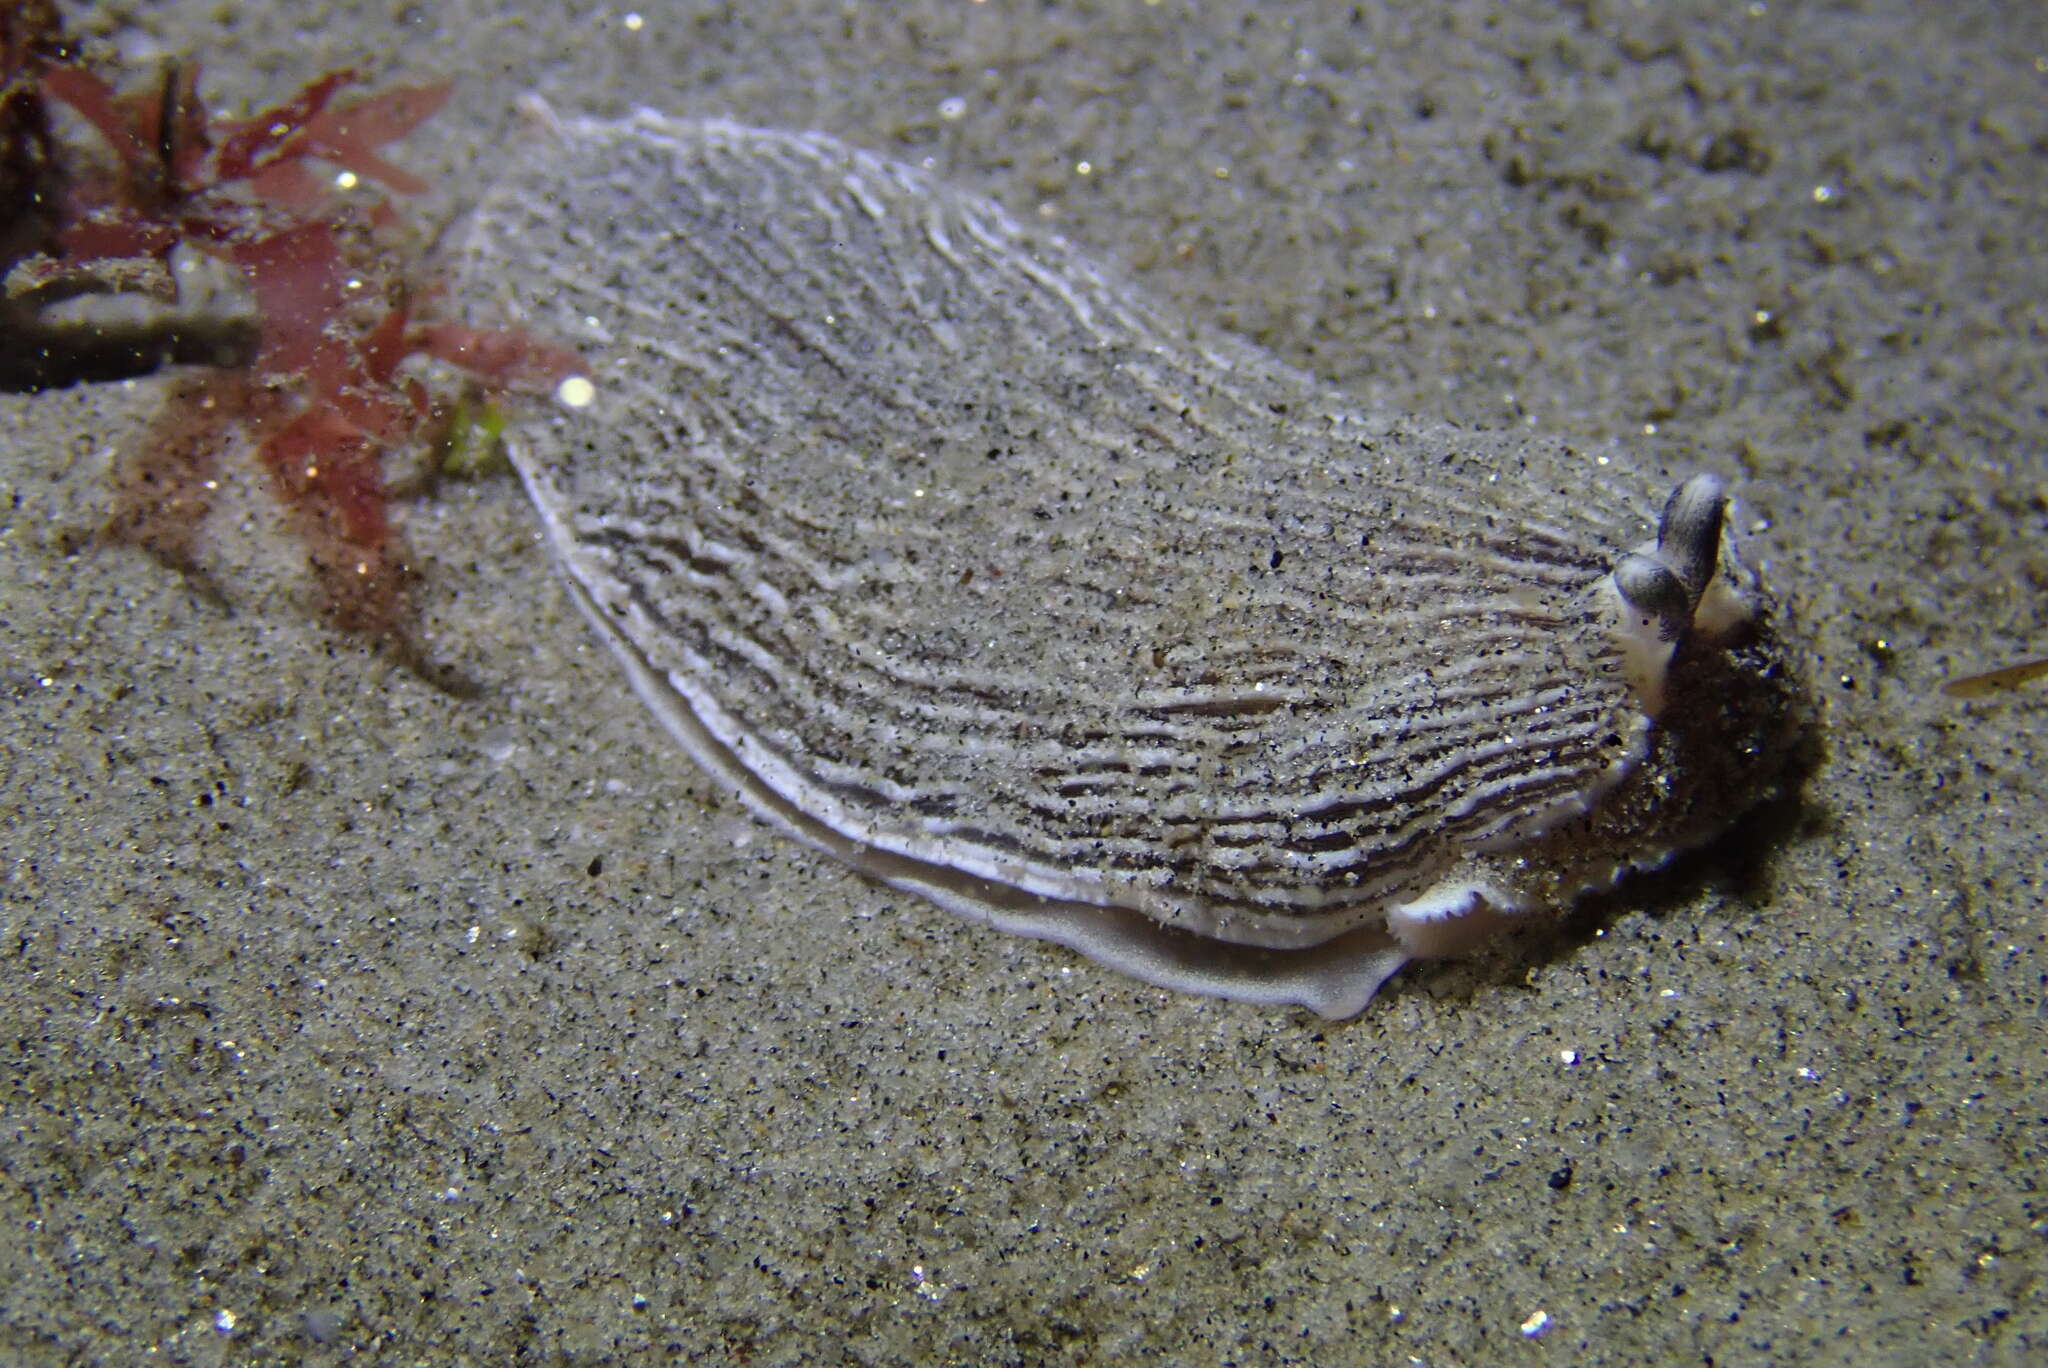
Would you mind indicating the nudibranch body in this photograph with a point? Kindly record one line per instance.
(955, 555)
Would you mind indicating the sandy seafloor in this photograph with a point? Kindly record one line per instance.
(349, 1021)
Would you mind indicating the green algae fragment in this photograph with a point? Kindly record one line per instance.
(474, 447)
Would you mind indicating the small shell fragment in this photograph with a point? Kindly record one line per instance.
(955, 555)
(2001, 680)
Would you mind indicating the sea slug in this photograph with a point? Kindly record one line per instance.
(954, 554)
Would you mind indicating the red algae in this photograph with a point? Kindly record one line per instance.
(326, 270)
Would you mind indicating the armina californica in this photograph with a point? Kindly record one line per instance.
(952, 553)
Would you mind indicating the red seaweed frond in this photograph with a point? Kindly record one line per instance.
(253, 143)
(503, 359)
(167, 149)
(327, 394)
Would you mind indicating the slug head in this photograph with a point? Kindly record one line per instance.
(1667, 590)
